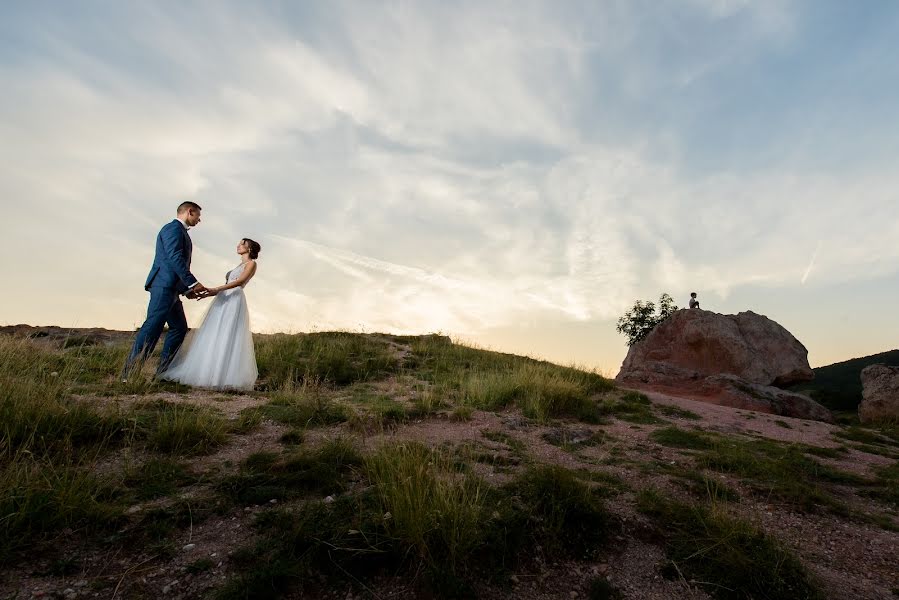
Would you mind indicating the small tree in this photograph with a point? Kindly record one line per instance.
(642, 318)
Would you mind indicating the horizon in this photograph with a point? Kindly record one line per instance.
(514, 177)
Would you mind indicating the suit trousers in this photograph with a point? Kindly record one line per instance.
(165, 308)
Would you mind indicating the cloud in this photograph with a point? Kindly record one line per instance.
(421, 166)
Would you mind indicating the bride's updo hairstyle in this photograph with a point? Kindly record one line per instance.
(253, 247)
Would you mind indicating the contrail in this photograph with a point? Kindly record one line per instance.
(811, 264)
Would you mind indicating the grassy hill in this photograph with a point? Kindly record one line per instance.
(838, 386)
(402, 467)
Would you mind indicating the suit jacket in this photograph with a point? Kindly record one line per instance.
(171, 265)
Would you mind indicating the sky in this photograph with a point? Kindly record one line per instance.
(513, 174)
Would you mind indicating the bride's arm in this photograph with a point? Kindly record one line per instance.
(247, 275)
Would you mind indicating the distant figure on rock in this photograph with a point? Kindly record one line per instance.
(694, 303)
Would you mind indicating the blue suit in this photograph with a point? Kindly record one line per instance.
(169, 277)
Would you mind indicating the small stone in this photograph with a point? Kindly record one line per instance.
(273, 501)
(328, 499)
(514, 579)
(134, 509)
(54, 374)
(248, 509)
(189, 547)
(214, 554)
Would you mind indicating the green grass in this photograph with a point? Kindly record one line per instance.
(337, 358)
(39, 499)
(267, 476)
(182, 429)
(434, 508)
(781, 472)
(674, 437)
(294, 437)
(727, 557)
(426, 515)
(36, 415)
(871, 437)
(632, 407)
(601, 589)
(304, 405)
(669, 410)
(461, 413)
(201, 565)
(574, 439)
(492, 381)
(540, 391)
(156, 477)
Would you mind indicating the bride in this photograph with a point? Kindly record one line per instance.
(220, 353)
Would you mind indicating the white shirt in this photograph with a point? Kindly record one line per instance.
(186, 228)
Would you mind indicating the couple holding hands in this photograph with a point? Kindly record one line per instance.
(219, 354)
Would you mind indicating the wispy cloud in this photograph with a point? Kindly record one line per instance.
(431, 167)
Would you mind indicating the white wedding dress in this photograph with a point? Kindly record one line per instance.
(219, 354)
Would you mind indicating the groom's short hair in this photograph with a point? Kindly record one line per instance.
(187, 206)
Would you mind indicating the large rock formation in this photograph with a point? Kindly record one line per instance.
(735, 360)
(880, 394)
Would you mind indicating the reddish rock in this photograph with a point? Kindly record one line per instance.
(880, 394)
(733, 360)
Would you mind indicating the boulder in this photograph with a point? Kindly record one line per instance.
(735, 360)
(880, 394)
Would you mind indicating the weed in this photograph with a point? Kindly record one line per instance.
(266, 476)
(866, 436)
(248, 420)
(156, 477)
(601, 589)
(339, 358)
(573, 439)
(201, 565)
(40, 498)
(305, 406)
(294, 437)
(735, 560)
(680, 438)
(180, 428)
(781, 472)
(670, 410)
(632, 407)
(461, 413)
(434, 508)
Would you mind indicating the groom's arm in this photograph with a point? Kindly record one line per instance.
(173, 246)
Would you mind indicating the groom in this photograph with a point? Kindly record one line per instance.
(169, 277)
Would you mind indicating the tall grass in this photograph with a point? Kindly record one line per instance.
(36, 415)
(178, 428)
(728, 556)
(781, 472)
(434, 506)
(337, 358)
(542, 391)
(41, 497)
(303, 403)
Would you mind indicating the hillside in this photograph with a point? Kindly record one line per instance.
(381, 466)
(838, 386)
